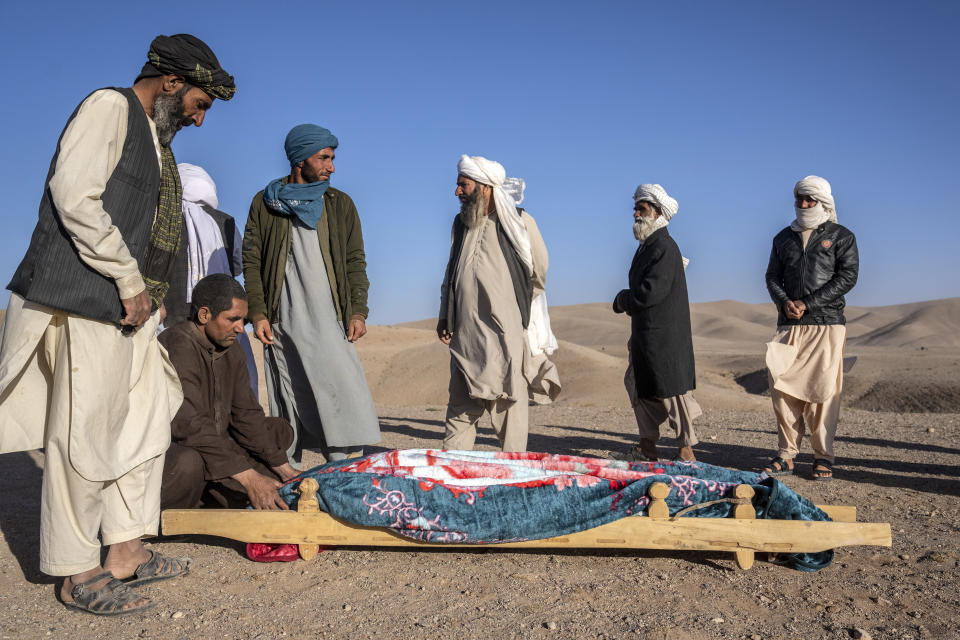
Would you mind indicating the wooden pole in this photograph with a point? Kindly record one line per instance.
(308, 503)
(744, 511)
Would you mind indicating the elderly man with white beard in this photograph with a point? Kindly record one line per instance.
(661, 373)
(493, 311)
(813, 264)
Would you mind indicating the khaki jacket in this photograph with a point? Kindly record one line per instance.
(266, 244)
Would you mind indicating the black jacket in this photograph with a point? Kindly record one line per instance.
(661, 349)
(819, 276)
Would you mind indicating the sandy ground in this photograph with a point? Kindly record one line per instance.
(899, 464)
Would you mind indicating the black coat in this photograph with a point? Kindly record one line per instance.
(819, 275)
(661, 349)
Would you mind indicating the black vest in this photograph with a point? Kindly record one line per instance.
(52, 273)
(519, 274)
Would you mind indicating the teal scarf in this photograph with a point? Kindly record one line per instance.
(302, 200)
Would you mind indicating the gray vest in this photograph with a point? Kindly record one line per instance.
(52, 273)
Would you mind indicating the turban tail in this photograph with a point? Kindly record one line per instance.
(304, 140)
(657, 195)
(540, 336)
(188, 56)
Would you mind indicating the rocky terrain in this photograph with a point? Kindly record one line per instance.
(898, 462)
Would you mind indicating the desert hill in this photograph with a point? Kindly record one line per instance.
(907, 356)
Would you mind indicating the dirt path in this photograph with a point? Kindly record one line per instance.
(898, 468)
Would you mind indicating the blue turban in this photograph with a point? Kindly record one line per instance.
(304, 140)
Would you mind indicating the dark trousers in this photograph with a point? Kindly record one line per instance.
(185, 487)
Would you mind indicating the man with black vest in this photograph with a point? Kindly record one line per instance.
(81, 372)
(493, 312)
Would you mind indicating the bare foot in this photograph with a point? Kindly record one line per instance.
(686, 454)
(123, 558)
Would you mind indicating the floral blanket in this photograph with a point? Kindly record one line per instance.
(487, 497)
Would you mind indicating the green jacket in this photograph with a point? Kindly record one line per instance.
(266, 244)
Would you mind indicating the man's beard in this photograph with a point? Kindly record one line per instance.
(473, 209)
(307, 173)
(168, 115)
(645, 227)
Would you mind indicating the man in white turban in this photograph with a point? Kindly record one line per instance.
(661, 373)
(813, 264)
(493, 311)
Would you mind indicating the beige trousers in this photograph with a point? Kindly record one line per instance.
(794, 415)
(74, 510)
(509, 418)
(677, 412)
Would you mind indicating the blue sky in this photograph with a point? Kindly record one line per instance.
(726, 104)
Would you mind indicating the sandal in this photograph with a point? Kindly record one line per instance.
(778, 467)
(109, 600)
(822, 469)
(159, 567)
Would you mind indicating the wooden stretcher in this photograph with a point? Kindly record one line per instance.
(741, 534)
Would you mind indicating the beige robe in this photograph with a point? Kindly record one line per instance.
(490, 357)
(99, 402)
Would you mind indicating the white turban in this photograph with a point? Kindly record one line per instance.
(492, 174)
(657, 195)
(818, 189)
(197, 184)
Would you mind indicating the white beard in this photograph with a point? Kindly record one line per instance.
(646, 226)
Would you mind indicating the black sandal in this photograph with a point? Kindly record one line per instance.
(109, 600)
(822, 470)
(778, 467)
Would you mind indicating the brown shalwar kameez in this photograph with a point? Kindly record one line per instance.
(220, 430)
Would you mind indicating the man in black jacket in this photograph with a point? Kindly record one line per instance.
(661, 372)
(813, 264)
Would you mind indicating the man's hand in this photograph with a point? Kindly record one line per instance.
(442, 332)
(261, 490)
(618, 302)
(794, 309)
(285, 471)
(358, 328)
(262, 330)
(136, 310)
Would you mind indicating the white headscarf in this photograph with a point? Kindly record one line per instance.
(818, 189)
(205, 251)
(657, 195)
(540, 336)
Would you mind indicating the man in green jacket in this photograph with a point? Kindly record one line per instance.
(305, 272)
